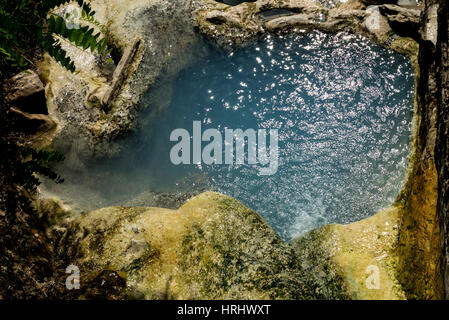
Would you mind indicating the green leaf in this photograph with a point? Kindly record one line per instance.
(58, 25)
(79, 40)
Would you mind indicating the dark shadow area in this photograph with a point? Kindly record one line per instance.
(276, 13)
(234, 2)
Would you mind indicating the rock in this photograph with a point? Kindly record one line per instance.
(331, 4)
(429, 28)
(25, 91)
(352, 5)
(408, 3)
(298, 5)
(297, 20)
(442, 142)
(377, 24)
(74, 118)
(236, 22)
(409, 48)
(213, 247)
(378, 2)
(409, 13)
(236, 26)
(234, 2)
(33, 123)
(419, 247)
(161, 199)
(354, 256)
(404, 21)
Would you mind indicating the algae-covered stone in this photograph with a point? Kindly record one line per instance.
(408, 47)
(358, 259)
(213, 247)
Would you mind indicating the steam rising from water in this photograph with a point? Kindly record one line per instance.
(343, 108)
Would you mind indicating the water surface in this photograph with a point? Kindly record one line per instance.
(343, 108)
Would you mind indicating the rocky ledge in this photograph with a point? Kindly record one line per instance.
(212, 247)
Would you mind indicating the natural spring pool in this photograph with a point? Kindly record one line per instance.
(342, 106)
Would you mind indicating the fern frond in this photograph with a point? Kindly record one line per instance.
(54, 49)
(83, 37)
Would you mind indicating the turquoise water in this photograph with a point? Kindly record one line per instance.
(342, 106)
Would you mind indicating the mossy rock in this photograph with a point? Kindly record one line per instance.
(213, 247)
(356, 261)
(409, 48)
